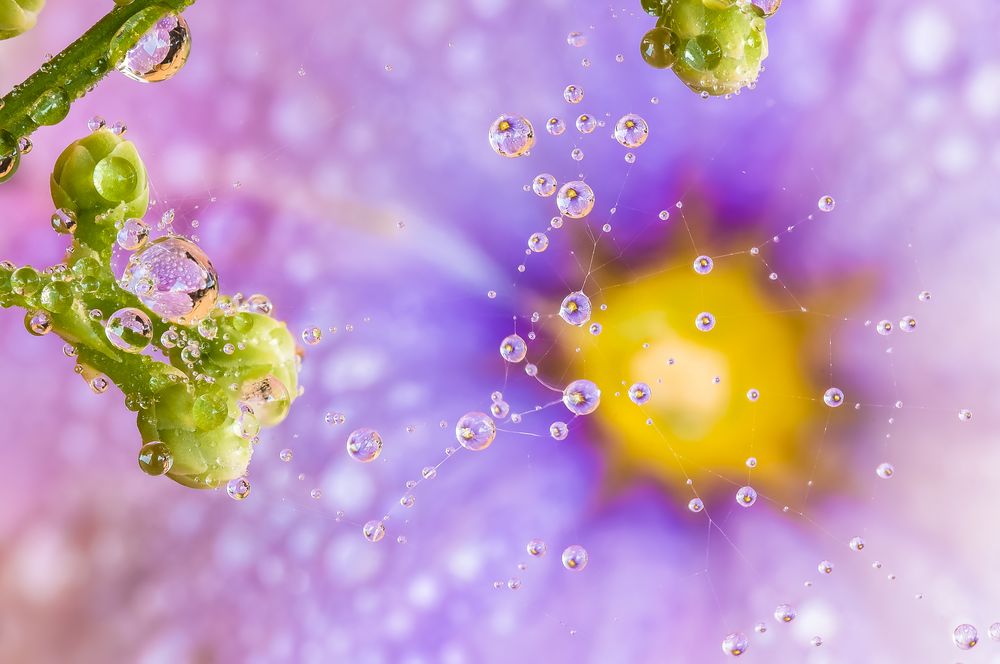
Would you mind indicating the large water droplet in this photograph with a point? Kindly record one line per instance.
(174, 278)
(512, 136)
(160, 53)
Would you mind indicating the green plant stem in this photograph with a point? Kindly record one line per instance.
(80, 66)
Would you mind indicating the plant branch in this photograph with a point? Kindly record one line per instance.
(44, 98)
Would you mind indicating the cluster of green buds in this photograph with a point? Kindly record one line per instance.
(17, 16)
(203, 372)
(715, 47)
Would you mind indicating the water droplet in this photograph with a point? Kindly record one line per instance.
(285, 455)
(826, 204)
(768, 7)
(312, 335)
(475, 431)
(785, 613)
(373, 530)
(735, 644)
(576, 309)
(575, 199)
(182, 283)
(966, 637)
(160, 53)
(239, 488)
(631, 131)
(513, 348)
(259, 304)
(573, 94)
(704, 321)
(364, 445)
(129, 329)
(38, 323)
(538, 242)
(885, 470)
(696, 505)
(658, 47)
(536, 548)
(586, 124)
(575, 557)
(640, 393)
(511, 136)
(576, 39)
(133, 234)
(746, 496)
(51, 107)
(833, 397)
(544, 184)
(559, 430)
(555, 126)
(703, 264)
(581, 397)
(155, 458)
(268, 397)
(10, 156)
(246, 425)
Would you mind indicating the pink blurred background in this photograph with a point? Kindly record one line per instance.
(368, 197)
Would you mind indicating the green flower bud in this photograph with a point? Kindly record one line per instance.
(200, 458)
(718, 45)
(226, 375)
(17, 16)
(98, 173)
(208, 430)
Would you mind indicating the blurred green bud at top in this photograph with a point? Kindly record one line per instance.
(17, 16)
(716, 47)
(98, 173)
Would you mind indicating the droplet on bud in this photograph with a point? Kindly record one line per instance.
(129, 329)
(155, 458)
(174, 278)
